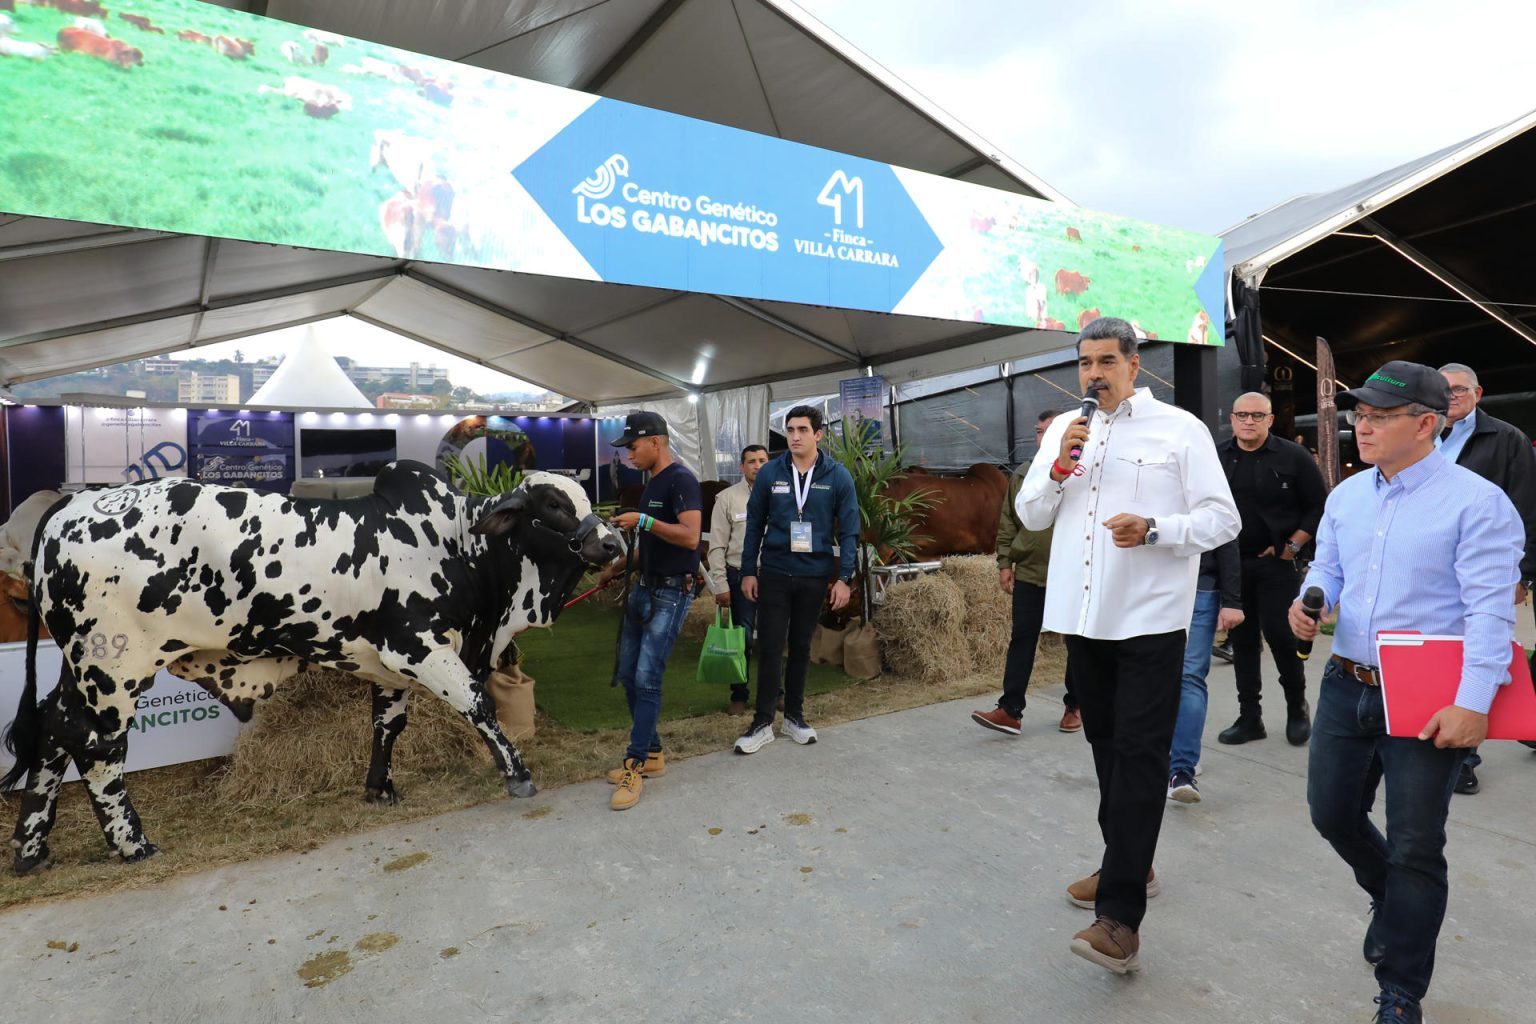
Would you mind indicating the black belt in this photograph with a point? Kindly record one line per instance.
(668, 582)
(1367, 674)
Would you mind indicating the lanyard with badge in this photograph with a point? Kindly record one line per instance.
(799, 530)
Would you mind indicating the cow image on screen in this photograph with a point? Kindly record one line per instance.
(237, 591)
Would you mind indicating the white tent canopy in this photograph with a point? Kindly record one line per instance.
(310, 378)
(76, 296)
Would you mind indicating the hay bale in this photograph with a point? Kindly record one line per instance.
(701, 615)
(315, 734)
(921, 625)
(988, 611)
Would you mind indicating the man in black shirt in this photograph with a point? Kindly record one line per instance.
(669, 521)
(1280, 494)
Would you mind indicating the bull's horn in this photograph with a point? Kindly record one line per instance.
(503, 516)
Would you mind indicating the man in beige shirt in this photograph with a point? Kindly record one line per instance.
(727, 525)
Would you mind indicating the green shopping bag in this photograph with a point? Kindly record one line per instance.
(724, 657)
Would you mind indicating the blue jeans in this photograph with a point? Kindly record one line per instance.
(1404, 871)
(743, 614)
(1185, 753)
(652, 619)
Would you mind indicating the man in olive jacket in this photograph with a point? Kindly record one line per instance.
(1022, 557)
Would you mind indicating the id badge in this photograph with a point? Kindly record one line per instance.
(800, 537)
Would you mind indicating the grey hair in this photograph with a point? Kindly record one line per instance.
(1461, 368)
(1109, 327)
(1419, 409)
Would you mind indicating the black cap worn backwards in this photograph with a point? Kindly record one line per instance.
(1400, 383)
(638, 425)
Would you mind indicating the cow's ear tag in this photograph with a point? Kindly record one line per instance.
(503, 517)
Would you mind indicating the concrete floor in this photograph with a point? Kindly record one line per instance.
(907, 868)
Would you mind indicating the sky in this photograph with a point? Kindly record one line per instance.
(1193, 113)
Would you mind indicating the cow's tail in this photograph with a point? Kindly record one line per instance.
(22, 735)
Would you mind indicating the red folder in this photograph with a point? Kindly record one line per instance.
(1420, 674)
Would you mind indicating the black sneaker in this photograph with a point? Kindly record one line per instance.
(758, 735)
(1243, 730)
(1466, 782)
(1181, 787)
(1298, 724)
(1223, 651)
(1392, 1008)
(1374, 950)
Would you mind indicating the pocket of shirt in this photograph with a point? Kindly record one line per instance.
(1154, 478)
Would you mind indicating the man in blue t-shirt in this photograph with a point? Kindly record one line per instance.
(802, 504)
(669, 521)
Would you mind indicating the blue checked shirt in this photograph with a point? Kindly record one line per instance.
(1436, 550)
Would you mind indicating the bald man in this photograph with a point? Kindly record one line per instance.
(1280, 494)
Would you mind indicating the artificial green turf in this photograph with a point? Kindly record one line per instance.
(573, 664)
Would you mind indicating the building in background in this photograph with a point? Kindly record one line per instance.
(208, 389)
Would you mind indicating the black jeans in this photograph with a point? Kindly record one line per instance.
(1405, 870)
(1028, 612)
(787, 606)
(1128, 691)
(1269, 587)
(743, 614)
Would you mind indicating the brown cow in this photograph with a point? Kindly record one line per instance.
(234, 49)
(90, 8)
(1073, 235)
(186, 35)
(79, 40)
(1070, 282)
(963, 520)
(1052, 324)
(15, 602)
(141, 23)
(1087, 317)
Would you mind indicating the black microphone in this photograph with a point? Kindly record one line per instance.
(1312, 604)
(1089, 407)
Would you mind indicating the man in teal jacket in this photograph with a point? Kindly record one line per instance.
(801, 505)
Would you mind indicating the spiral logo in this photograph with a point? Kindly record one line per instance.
(605, 179)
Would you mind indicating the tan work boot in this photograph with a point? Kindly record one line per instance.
(626, 791)
(1110, 944)
(655, 768)
(1085, 891)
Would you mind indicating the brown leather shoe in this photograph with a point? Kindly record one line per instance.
(1071, 720)
(1085, 891)
(1110, 944)
(997, 719)
(655, 767)
(626, 792)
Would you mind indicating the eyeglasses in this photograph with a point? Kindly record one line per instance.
(1252, 417)
(1377, 420)
(1461, 391)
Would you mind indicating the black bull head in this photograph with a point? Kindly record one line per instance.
(547, 521)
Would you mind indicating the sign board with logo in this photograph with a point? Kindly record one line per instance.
(863, 408)
(242, 449)
(391, 153)
(176, 721)
(114, 446)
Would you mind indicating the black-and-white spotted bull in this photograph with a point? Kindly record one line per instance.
(237, 591)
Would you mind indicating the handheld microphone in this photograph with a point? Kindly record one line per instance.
(1312, 604)
(1089, 407)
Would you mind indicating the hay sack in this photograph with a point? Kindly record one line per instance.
(315, 733)
(988, 611)
(921, 626)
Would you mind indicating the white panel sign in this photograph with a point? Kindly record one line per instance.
(176, 720)
(113, 446)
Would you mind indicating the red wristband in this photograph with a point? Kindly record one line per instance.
(1058, 467)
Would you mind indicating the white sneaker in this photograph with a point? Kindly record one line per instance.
(797, 730)
(757, 736)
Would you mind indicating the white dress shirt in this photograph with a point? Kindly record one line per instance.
(1149, 459)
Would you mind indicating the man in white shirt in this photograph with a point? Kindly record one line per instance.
(1135, 494)
(727, 526)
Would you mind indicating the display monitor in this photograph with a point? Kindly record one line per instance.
(331, 453)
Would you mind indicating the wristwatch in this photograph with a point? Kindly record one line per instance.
(846, 581)
(1293, 547)
(1151, 531)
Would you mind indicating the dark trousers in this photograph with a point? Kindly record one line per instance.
(743, 614)
(1269, 587)
(1405, 870)
(1028, 612)
(1128, 691)
(787, 607)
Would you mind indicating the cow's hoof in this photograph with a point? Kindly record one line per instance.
(149, 850)
(26, 865)
(386, 797)
(521, 787)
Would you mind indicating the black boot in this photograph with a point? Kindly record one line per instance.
(1298, 723)
(1247, 727)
